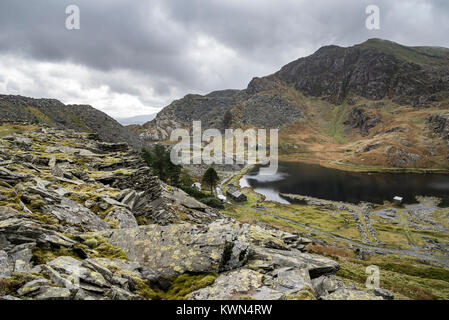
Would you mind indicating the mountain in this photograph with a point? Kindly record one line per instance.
(136, 120)
(371, 104)
(53, 113)
(81, 219)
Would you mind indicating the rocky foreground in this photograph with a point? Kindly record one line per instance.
(83, 219)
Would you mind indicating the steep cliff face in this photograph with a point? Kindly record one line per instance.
(53, 113)
(370, 71)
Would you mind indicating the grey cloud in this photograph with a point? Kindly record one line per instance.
(157, 41)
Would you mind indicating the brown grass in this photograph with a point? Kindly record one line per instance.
(330, 251)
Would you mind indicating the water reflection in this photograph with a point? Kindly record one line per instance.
(337, 185)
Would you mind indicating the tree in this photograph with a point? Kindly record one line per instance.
(227, 119)
(158, 158)
(210, 177)
(186, 181)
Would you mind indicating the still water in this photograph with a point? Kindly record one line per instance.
(331, 184)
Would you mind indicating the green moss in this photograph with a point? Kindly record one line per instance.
(147, 292)
(305, 294)
(103, 213)
(81, 125)
(43, 255)
(91, 243)
(101, 248)
(143, 221)
(186, 283)
(112, 223)
(33, 202)
(180, 286)
(40, 116)
(10, 285)
(45, 218)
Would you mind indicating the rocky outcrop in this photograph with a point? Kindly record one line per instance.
(400, 157)
(82, 219)
(385, 72)
(274, 258)
(179, 248)
(374, 70)
(53, 113)
(280, 112)
(359, 118)
(439, 124)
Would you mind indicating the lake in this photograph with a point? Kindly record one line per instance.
(332, 184)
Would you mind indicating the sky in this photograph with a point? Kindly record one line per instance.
(134, 57)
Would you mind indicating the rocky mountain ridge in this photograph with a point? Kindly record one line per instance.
(339, 105)
(53, 113)
(84, 219)
(372, 70)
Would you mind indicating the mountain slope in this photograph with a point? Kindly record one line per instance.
(53, 113)
(82, 219)
(364, 105)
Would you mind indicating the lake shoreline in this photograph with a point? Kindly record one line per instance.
(363, 169)
(329, 183)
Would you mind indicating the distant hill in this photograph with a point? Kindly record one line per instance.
(369, 104)
(54, 113)
(137, 119)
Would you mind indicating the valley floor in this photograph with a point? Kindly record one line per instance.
(409, 244)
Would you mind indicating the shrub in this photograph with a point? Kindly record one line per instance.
(194, 192)
(213, 202)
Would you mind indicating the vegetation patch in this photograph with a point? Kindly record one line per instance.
(10, 285)
(101, 248)
(400, 275)
(44, 255)
(180, 286)
(329, 251)
(40, 116)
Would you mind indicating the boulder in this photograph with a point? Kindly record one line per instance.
(288, 283)
(350, 294)
(326, 284)
(385, 294)
(54, 293)
(291, 279)
(5, 267)
(122, 218)
(33, 287)
(361, 119)
(74, 271)
(76, 216)
(21, 255)
(265, 238)
(233, 285)
(315, 264)
(179, 248)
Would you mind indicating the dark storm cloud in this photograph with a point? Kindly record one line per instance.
(157, 50)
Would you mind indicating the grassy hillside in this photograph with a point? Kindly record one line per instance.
(435, 56)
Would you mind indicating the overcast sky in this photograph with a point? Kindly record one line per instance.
(134, 57)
